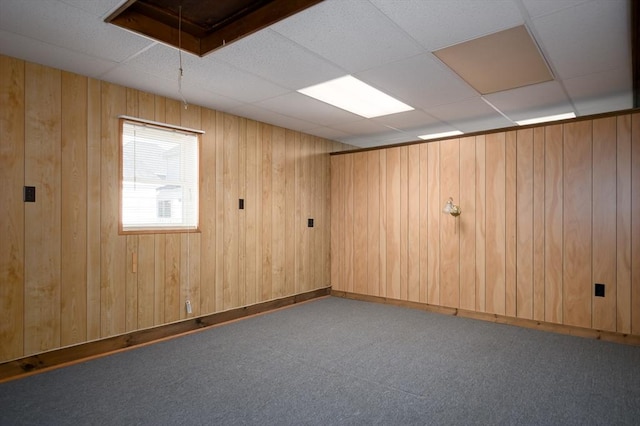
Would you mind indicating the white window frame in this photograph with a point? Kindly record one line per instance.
(189, 217)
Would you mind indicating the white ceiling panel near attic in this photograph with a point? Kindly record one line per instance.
(496, 62)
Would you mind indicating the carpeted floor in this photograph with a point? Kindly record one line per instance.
(335, 361)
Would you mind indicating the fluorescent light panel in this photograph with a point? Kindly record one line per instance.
(355, 96)
(556, 117)
(441, 135)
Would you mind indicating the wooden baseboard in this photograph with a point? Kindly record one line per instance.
(629, 339)
(56, 358)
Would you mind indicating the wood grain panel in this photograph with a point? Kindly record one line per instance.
(383, 223)
(524, 220)
(159, 240)
(292, 141)
(450, 226)
(251, 214)
(576, 297)
(208, 212)
(278, 206)
(433, 224)
(230, 223)
(538, 224)
(93, 274)
(495, 223)
(348, 224)
(323, 203)
(219, 212)
(468, 223)
(267, 214)
(12, 244)
(43, 233)
(337, 222)
(553, 233)
(172, 264)
(242, 214)
(131, 283)
(404, 215)
(623, 224)
(259, 217)
(413, 224)
(481, 177)
(510, 223)
(360, 254)
(635, 224)
(73, 291)
(373, 223)
(424, 221)
(604, 223)
(393, 223)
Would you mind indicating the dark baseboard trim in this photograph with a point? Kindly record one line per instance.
(22, 367)
(629, 339)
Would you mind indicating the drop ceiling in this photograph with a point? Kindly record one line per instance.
(388, 44)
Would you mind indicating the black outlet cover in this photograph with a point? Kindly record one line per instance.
(310, 223)
(29, 194)
(241, 204)
(599, 290)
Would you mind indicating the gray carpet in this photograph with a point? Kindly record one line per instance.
(335, 361)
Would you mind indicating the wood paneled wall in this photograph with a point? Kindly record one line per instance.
(66, 276)
(546, 213)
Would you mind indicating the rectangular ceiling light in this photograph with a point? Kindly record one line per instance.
(441, 135)
(355, 96)
(557, 117)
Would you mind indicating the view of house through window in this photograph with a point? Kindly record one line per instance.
(159, 186)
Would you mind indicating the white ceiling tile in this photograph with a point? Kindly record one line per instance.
(352, 34)
(36, 51)
(536, 100)
(470, 115)
(99, 8)
(279, 60)
(421, 81)
(572, 45)
(440, 23)
(601, 92)
(327, 133)
(298, 105)
(407, 121)
(378, 139)
(266, 116)
(536, 8)
(65, 26)
(363, 127)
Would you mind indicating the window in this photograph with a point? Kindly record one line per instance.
(159, 177)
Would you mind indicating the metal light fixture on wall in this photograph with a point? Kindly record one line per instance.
(452, 209)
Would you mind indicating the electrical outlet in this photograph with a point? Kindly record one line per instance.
(310, 223)
(241, 203)
(29, 194)
(188, 306)
(599, 290)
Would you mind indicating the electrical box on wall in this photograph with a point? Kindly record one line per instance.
(29, 194)
(599, 290)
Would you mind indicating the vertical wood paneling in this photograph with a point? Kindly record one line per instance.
(404, 215)
(635, 224)
(292, 141)
(383, 224)
(524, 247)
(251, 214)
(373, 222)
(576, 297)
(495, 223)
(278, 206)
(360, 226)
(510, 248)
(208, 213)
(604, 223)
(623, 224)
(450, 226)
(172, 256)
(393, 223)
(267, 214)
(424, 221)
(73, 292)
(93, 274)
(553, 233)
(468, 223)
(348, 224)
(159, 240)
(481, 223)
(131, 241)
(337, 222)
(413, 224)
(230, 223)
(42, 231)
(433, 224)
(538, 224)
(12, 244)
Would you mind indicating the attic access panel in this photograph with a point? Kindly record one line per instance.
(206, 25)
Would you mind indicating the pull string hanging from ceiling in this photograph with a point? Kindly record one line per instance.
(181, 74)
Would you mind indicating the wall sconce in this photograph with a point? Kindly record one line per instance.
(452, 209)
